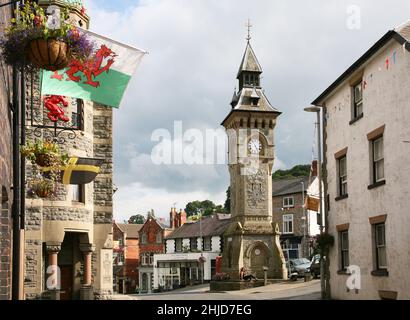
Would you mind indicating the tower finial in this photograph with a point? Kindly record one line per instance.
(249, 26)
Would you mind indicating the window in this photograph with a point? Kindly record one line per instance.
(144, 238)
(344, 249)
(342, 176)
(178, 245)
(77, 116)
(77, 192)
(145, 259)
(159, 237)
(288, 224)
(151, 259)
(193, 244)
(358, 100)
(378, 160)
(380, 246)
(120, 259)
(207, 244)
(288, 202)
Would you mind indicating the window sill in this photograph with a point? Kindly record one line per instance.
(343, 272)
(356, 119)
(380, 273)
(376, 185)
(342, 197)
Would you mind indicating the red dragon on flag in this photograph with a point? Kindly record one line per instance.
(91, 68)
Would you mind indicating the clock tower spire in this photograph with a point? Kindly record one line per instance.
(252, 239)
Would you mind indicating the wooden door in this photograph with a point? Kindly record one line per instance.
(66, 282)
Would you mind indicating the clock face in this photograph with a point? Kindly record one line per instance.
(255, 146)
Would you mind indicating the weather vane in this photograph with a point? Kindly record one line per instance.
(249, 26)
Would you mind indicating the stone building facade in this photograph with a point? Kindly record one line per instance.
(6, 173)
(288, 201)
(252, 239)
(72, 230)
(367, 141)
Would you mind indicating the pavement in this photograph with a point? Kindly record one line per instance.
(298, 290)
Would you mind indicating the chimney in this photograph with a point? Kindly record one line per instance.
(313, 169)
(172, 216)
(182, 217)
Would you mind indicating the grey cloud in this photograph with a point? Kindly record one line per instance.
(195, 50)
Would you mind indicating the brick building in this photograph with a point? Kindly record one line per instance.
(126, 256)
(296, 224)
(152, 236)
(5, 167)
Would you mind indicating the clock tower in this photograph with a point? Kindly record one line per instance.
(252, 239)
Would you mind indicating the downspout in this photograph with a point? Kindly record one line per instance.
(16, 189)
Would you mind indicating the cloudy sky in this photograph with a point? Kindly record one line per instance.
(195, 48)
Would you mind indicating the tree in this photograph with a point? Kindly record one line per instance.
(136, 219)
(193, 208)
(296, 171)
(227, 205)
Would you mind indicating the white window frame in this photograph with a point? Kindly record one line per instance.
(178, 241)
(343, 176)
(286, 202)
(380, 246)
(288, 218)
(358, 100)
(378, 160)
(207, 243)
(344, 249)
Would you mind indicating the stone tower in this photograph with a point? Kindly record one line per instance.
(252, 239)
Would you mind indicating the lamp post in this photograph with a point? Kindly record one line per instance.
(304, 217)
(323, 277)
(202, 245)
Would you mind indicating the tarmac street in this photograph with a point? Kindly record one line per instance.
(298, 290)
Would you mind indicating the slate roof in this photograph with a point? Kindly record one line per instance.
(211, 226)
(249, 61)
(244, 101)
(289, 186)
(401, 34)
(130, 229)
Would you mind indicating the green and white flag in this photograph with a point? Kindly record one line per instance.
(103, 79)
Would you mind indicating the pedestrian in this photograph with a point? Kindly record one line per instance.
(241, 273)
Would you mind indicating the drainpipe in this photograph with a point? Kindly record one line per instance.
(16, 189)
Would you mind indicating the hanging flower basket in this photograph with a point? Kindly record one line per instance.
(44, 154)
(33, 42)
(48, 54)
(42, 188)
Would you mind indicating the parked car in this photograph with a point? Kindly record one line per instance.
(315, 266)
(301, 266)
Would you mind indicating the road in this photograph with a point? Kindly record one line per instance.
(281, 291)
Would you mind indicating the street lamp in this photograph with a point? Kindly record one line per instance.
(317, 110)
(202, 245)
(304, 217)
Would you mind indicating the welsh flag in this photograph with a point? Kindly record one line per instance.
(103, 79)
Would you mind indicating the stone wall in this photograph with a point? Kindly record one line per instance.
(5, 168)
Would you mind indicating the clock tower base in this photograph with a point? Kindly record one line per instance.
(253, 243)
